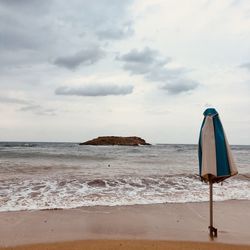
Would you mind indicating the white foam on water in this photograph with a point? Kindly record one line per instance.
(49, 193)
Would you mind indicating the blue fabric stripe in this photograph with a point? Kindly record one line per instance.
(223, 168)
(210, 112)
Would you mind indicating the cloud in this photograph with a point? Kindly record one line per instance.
(27, 106)
(26, 5)
(154, 67)
(86, 57)
(38, 110)
(23, 26)
(162, 74)
(6, 99)
(142, 62)
(148, 62)
(146, 56)
(179, 86)
(95, 90)
(40, 30)
(115, 33)
(245, 65)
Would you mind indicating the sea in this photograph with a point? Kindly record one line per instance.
(40, 175)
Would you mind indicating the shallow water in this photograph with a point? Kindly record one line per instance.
(66, 175)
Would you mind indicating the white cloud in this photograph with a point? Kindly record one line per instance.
(95, 90)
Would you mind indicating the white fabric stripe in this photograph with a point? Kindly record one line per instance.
(208, 149)
(232, 165)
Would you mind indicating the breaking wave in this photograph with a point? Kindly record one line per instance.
(48, 193)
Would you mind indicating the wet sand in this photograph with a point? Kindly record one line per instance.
(163, 226)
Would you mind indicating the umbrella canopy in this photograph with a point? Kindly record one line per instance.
(215, 158)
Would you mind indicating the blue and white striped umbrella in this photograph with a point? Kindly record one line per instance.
(215, 158)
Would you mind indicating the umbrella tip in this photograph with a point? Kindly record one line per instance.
(210, 112)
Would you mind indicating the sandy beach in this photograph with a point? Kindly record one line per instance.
(162, 226)
(131, 245)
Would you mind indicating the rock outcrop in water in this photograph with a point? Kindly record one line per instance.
(116, 140)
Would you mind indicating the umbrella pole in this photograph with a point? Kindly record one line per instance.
(212, 230)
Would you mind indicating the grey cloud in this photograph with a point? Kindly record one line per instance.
(146, 56)
(154, 67)
(245, 65)
(28, 5)
(86, 57)
(38, 110)
(115, 23)
(49, 28)
(115, 33)
(160, 74)
(95, 90)
(179, 86)
(30, 107)
(142, 62)
(19, 36)
(6, 99)
(16, 40)
(27, 105)
(22, 24)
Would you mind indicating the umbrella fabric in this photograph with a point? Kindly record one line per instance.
(215, 158)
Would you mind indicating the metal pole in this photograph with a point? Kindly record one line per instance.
(211, 207)
(212, 230)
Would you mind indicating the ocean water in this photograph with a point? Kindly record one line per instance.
(66, 175)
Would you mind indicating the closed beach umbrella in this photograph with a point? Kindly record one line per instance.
(215, 158)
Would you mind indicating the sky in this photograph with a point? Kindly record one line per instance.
(75, 70)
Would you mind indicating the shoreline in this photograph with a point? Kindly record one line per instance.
(112, 206)
(155, 222)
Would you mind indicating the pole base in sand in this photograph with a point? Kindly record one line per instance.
(212, 232)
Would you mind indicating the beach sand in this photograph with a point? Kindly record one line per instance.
(162, 226)
(130, 245)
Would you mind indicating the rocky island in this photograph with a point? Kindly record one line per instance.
(116, 140)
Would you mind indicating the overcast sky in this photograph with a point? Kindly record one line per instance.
(74, 70)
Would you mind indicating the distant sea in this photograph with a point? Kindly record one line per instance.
(65, 175)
